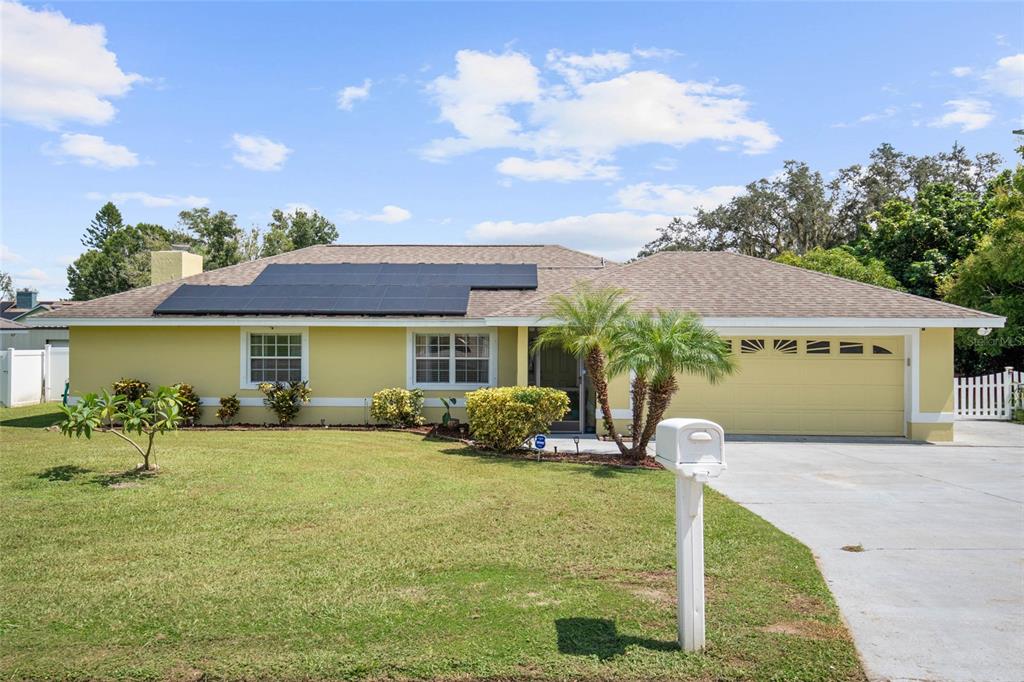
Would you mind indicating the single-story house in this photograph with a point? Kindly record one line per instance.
(817, 354)
(21, 329)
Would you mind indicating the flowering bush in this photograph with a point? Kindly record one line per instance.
(228, 409)
(189, 402)
(285, 400)
(503, 418)
(398, 407)
(131, 389)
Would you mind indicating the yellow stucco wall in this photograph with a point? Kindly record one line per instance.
(936, 386)
(781, 393)
(166, 266)
(344, 362)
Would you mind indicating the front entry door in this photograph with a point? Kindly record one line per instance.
(555, 368)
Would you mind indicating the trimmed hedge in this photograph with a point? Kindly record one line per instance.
(503, 418)
(398, 407)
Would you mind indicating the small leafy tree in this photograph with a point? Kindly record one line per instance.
(228, 410)
(586, 322)
(656, 349)
(285, 399)
(154, 413)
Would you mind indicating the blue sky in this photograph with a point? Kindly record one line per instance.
(582, 124)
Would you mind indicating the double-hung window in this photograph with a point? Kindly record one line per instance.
(452, 359)
(273, 356)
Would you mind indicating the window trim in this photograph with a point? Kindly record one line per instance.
(451, 385)
(244, 380)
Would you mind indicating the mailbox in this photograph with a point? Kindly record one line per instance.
(690, 447)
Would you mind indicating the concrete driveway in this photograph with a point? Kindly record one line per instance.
(938, 592)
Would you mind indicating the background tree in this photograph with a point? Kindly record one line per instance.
(217, 236)
(920, 241)
(842, 261)
(7, 286)
(107, 221)
(796, 211)
(275, 241)
(302, 229)
(992, 279)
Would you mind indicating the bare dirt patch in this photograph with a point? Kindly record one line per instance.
(807, 629)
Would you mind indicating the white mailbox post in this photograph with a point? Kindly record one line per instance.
(692, 450)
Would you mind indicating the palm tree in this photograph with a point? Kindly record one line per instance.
(656, 349)
(587, 320)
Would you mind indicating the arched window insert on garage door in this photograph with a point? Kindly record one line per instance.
(751, 346)
(880, 350)
(851, 348)
(819, 347)
(785, 346)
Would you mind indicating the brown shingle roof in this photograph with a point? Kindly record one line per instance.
(721, 284)
(556, 267)
(711, 284)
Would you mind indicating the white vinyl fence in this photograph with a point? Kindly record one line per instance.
(28, 377)
(987, 397)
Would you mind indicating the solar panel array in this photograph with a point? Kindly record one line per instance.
(475, 276)
(350, 289)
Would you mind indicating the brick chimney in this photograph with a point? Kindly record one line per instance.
(25, 298)
(167, 266)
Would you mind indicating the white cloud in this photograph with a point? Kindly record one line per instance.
(151, 200)
(259, 153)
(499, 102)
(969, 114)
(390, 214)
(347, 97)
(679, 200)
(871, 117)
(614, 235)
(7, 256)
(1007, 76)
(961, 71)
(665, 164)
(477, 101)
(298, 206)
(93, 150)
(556, 169)
(49, 284)
(54, 70)
(578, 68)
(656, 53)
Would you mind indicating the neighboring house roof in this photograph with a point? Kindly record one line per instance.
(722, 284)
(9, 310)
(557, 266)
(711, 284)
(10, 325)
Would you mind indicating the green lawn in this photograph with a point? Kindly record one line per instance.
(323, 554)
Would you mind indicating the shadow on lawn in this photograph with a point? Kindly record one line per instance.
(64, 472)
(120, 479)
(595, 469)
(599, 637)
(36, 421)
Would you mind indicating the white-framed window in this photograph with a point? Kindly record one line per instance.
(273, 354)
(462, 359)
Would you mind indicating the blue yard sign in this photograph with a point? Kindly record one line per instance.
(539, 441)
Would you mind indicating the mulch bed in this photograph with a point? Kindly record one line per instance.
(459, 434)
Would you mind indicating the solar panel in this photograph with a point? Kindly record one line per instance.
(329, 299)
(473, 275)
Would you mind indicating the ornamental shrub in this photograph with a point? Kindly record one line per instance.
(285, 400)
(131, 389)
(503, 418)
(189, 403)
(398, 407)
(228, 409)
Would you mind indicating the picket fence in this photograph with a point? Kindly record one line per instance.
(992, 396)
(29, 377)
